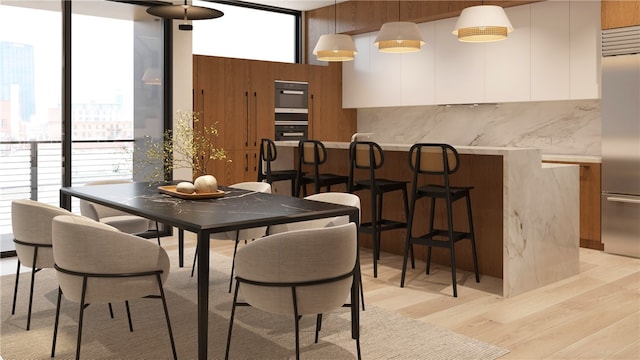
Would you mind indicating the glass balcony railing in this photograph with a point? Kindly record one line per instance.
(33, 170)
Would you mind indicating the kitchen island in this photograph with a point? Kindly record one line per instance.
(526, 213)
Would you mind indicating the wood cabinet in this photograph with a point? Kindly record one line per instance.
(328, 121)
(616, 14)
(590, 190)
(236, 96)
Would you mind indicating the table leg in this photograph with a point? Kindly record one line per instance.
(203, 294)
(180, 247)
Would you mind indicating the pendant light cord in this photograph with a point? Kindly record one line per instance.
(335, 16)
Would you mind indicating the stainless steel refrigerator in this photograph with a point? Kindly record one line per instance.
(621, 141)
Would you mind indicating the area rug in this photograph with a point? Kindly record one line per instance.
(256, 335)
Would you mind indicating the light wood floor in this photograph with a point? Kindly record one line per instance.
(593, 315)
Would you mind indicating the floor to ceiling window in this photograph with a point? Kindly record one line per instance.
(247, 33)
(116, 96)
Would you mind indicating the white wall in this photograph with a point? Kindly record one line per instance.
(182, 81)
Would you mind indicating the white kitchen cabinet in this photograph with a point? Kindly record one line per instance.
(507, 65)
(460, 74)
(550, 51)
(585, 49)
(552, 54)
(356, 82)
(417, 71)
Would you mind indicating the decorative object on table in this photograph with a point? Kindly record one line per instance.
(181, 148)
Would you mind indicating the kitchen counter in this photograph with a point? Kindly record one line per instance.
(526, 212)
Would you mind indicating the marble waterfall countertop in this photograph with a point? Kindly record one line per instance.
(540, 214)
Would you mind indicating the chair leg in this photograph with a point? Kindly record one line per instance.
(55, 325)
(126, 305)
(374, 232)
(166, 315)
(297, 320)
(15, 290)
(195, 257)
(472, 237)
(233, 261)
(81, 316)
(33, 280)
(110, 310)
(318, 326)
(408, 242)
(431, 221)
(233, 312)
(158, 233)
(358, 348)
(452, 250)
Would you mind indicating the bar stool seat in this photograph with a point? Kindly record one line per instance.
(439, 160)
(314, 153)
(367, 155)
(268, 154)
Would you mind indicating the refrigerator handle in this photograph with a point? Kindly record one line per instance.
(623, 200)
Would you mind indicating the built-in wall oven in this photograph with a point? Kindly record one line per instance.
(291, 110)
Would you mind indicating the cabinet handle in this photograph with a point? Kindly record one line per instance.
(246, 139)
(255, 118)
(623, 200)
(255, 162)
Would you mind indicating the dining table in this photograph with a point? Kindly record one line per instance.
(235, 209)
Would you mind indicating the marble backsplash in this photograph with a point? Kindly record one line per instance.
(556, 127)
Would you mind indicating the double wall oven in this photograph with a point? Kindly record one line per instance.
(291, 110)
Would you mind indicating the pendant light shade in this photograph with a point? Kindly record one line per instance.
(399, 37)
(335, 47)
(184, 12)
(484, 23)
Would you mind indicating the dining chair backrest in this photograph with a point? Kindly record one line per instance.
(339, 198)
(312, 152)
(85, 246)
(31, 225)
(433, 159)
(366, 155)
(296, 257)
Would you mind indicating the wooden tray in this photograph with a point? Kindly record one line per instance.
(171, 190)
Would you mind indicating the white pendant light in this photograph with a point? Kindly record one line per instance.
(399, 36)
(335, 47)
(484, 23)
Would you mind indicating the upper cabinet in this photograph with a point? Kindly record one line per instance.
(617, 14)
(553, 54)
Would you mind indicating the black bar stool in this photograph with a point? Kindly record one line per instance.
(269, 153)
(313, 152)
(440, 160)
(367, 155)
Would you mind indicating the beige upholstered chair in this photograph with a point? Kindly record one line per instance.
(246, 234)
(96, 264)
(31, 223)
(340, 198)
(123, 221)
(297, 273)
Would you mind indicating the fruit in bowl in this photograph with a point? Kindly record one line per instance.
(205, 184)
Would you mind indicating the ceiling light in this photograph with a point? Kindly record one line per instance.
(184, 12)
(335, 47)
(399, 36)
(482, 23)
